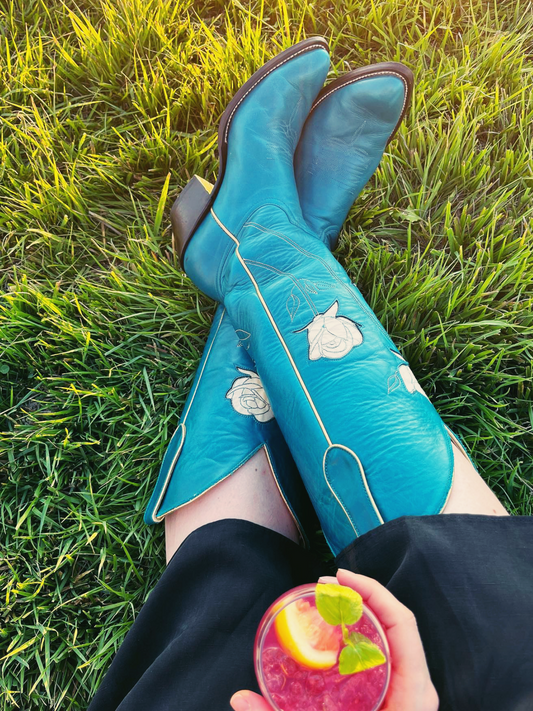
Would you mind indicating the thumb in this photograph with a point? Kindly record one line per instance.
(249, 701)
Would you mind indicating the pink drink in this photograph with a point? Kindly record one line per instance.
(287, 685)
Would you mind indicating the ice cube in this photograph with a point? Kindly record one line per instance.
(296, 690)
(328, 704)
(275, 682)
(272, 655)
(315, 684)
(289, 666)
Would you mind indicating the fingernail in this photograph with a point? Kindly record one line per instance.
(327, 579)
(240, 702)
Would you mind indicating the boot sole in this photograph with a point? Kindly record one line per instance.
(195, 200)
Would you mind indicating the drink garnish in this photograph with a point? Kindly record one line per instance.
(306, 637)
(340, 605)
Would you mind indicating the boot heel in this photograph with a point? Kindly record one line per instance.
(188, 210)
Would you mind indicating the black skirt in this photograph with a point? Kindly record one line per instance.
(468, 579)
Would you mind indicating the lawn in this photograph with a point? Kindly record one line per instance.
(107, 107)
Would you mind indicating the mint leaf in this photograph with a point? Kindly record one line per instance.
(354, 638)
(362, 655)
(338, 604)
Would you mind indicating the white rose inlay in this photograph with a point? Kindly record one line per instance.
(332, 336)
(405, 375)
(248, 396)
(409, 380)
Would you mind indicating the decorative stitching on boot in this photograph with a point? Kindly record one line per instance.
(292, 305)
(347, 287)
(155, 515)
(273, 323)
(181, 425)
(305, 287)
(185, 414)
(298, 375)
(363, 478)
(294, 279)
(242, 339)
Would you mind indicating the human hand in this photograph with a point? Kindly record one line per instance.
(411, 688)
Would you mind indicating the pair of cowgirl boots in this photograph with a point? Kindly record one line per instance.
(228, 417)
(366, 440)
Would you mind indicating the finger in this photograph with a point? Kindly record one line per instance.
(328, 579)
(407, 651)
(249, 701)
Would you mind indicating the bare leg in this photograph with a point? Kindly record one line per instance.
(251, 493)
(470, 494)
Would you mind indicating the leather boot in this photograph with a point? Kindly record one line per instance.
(352, 121)
(368, 443)
(366, 108)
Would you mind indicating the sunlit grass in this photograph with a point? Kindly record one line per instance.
(107, 107)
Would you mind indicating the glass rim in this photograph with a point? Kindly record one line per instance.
(275, 608)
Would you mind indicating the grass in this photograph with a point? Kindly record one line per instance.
(107, 107)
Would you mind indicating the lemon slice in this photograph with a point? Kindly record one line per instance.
(306, 636)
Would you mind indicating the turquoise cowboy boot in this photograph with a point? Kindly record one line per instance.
(368, 443)
(351, 122)
(373, 115)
